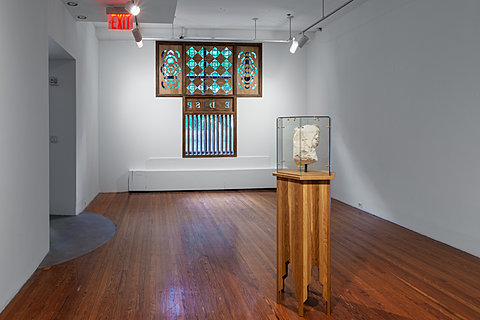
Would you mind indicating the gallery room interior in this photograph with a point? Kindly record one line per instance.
(198, 169)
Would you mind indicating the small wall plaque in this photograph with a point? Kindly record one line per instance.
(53, 80)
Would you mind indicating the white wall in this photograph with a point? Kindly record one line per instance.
(400, 79)
(24, 130)
(23, 143)
(140, 131)
(80, 41)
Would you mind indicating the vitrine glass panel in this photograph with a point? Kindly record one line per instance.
(303, 145)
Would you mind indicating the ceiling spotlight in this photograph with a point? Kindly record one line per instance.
(294, 45)
(72, 4)
(138, 37)
(294, 42)
(132, 8)
(81, 17)
(303, 39)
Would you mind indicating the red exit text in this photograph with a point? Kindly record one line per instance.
(120, 21)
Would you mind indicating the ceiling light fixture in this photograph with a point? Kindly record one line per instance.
(302, 40)
(298, 42)
(81, 17)
(182, 34)
(72, 4)
(325, 17)
(132, 8)
(293, 41)
(255, 20)
(137, 35)
(294, 46)
(290, 17)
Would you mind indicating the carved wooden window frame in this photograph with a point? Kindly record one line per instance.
(237, 91)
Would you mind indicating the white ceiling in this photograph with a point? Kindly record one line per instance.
(238, 14)
(56, 52)
(153, 11)
(219, 14)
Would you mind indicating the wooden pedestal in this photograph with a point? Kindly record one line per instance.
(303, 231)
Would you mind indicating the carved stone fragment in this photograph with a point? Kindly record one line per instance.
(305, 140)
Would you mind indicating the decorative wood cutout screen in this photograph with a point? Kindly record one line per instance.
(209, 128)
(209, 70)
(209, 77)
(169, 69)
(249, 71)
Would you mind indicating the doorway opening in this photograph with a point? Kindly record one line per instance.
(62, 101)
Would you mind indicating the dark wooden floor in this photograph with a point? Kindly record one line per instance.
(211, 255)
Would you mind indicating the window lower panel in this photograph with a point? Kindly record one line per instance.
(209, 127)
(209, 135)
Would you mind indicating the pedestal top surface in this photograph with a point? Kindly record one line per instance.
(302, 175)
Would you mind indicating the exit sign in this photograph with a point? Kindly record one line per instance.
(120, 21)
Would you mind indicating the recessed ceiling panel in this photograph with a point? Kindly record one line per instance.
(220, 14)
(152, 11)
(238, 14)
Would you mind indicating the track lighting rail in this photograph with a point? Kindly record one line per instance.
(193, 39)
(254, 40)
(328, 15)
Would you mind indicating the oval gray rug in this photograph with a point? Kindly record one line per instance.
(74, 236)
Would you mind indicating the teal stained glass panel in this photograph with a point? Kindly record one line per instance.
(226, 52)
(226, 64)
(170, 62)
(191, 52)
(248, 65)
(214, 52)
(215, 64)
(191, 64)
(209, 70)
(170, 69)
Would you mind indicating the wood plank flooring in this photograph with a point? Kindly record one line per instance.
(211, 255)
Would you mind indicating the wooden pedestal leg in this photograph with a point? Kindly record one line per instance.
(281, 275)
(328, 299)
(324, 252)
(282, 236)
(300, 309)
(300, 242)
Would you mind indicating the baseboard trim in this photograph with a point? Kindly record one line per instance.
(200, 179)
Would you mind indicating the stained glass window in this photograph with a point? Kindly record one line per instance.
(169, 69)
(209, 127)
(209, 77)
(209, 70)
(249, 75)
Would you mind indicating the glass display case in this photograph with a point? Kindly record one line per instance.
(303, 145)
